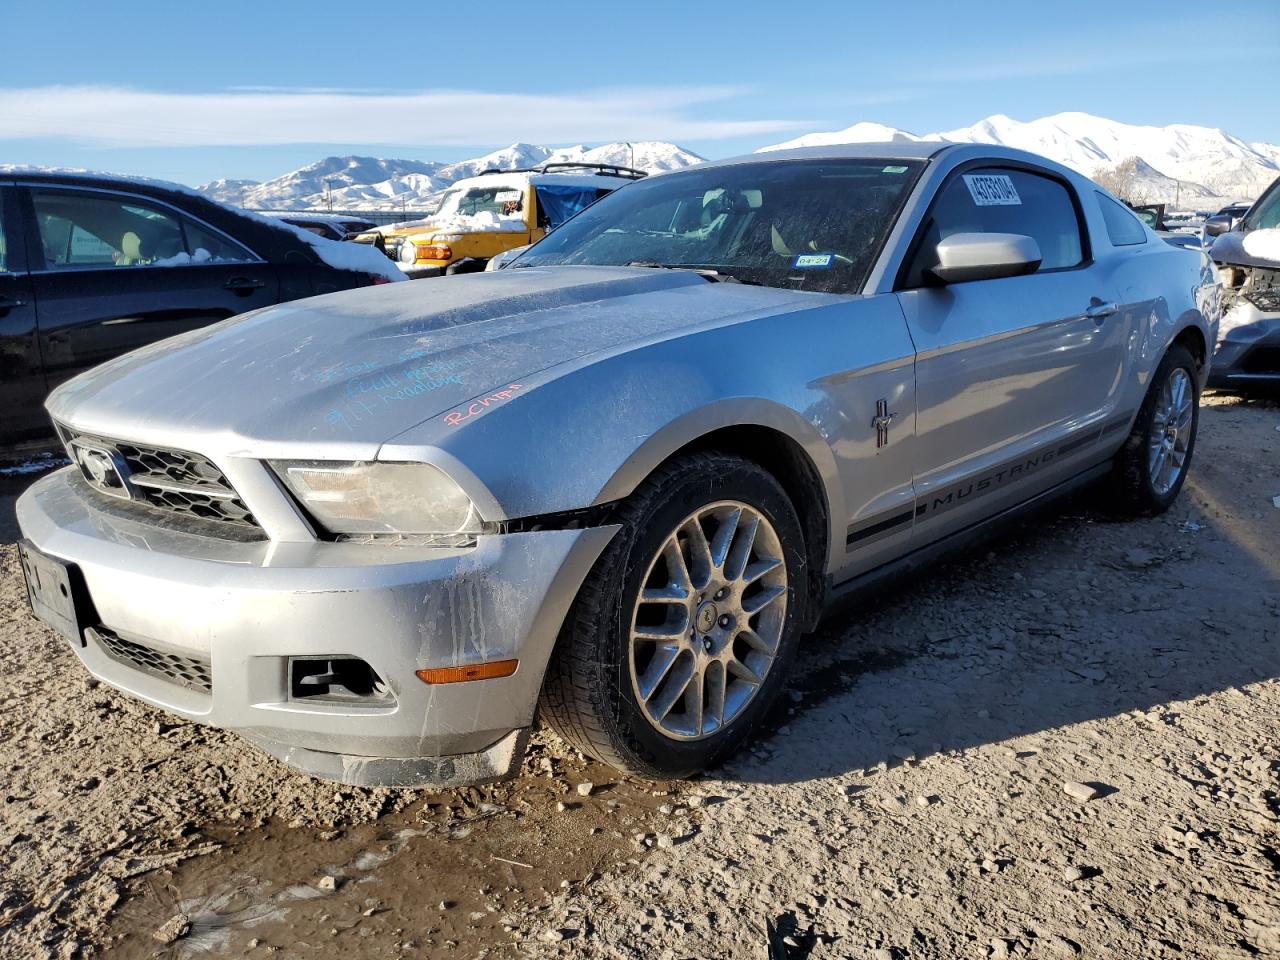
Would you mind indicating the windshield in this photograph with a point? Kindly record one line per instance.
(447, 200)
(1265, 213)
(498, 200)
(800, 224)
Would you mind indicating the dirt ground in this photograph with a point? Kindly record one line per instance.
(908, 801)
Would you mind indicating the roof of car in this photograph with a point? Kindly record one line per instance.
(89, 177)
(518, 178)
(266, 236)
(891, 150)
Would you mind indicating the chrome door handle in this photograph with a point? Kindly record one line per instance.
(1100, 311)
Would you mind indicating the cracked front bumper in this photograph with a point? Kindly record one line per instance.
(245, 609)
(1248, 352)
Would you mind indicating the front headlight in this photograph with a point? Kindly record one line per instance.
(408, 251)
(379, 498)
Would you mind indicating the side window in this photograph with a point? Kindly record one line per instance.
(995, 200)
(557, 203)
(97, 230)
(1123, 228)
(92, 230)
(205, 246)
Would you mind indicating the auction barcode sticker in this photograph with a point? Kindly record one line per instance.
(992, 190)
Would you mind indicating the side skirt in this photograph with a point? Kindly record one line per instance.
(839, 595)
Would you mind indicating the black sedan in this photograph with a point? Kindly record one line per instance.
(94, 266)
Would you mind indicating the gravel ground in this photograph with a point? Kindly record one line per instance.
(1064, 744)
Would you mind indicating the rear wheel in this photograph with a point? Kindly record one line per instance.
(1152, 465)
(684, 631)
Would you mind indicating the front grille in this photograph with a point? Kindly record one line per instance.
(177, 482)
(1268, 300)
(192, 672)
(184, 483)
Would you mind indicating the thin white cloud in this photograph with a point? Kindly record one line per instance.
(126, 117)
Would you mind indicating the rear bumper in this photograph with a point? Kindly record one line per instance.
(246, 609)
(1248, 354)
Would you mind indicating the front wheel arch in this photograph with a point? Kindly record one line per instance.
(587, 694)
(777, 439)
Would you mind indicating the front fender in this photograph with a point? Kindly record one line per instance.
(573, 439)
(702, 421)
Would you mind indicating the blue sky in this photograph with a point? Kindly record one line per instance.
(252, 89)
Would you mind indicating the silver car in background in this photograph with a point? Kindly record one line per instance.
(374, 531)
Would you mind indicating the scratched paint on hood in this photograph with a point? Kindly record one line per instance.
(366, 365)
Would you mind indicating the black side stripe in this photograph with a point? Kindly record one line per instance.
(877, 526)
(1090, 436)
(987, 482)
(1119, 423)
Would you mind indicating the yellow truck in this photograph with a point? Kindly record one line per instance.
(480, 217)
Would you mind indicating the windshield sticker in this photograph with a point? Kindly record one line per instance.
(506, 196)
(992, 190)
(894, 170)
(477, 407)
(813, 261)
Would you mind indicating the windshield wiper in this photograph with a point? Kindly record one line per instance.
(713, 274)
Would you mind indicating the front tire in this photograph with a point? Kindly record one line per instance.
(683, 633)
(1152, 465)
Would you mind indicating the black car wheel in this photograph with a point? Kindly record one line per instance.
(1152, 465)
(683, 633)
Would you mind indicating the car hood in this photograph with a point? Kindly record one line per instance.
(356, 368)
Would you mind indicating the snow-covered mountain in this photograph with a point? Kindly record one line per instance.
(370, 183)
(1179, 160)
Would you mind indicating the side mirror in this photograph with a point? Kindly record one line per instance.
(984, 256)
(1218, 225)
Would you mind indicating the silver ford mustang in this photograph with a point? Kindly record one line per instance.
(618, 480)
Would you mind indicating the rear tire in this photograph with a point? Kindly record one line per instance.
(1152, 465)
(704, 581)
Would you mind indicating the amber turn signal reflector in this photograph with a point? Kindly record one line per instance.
(476, 671)
(434, 251)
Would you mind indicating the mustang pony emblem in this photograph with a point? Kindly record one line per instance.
(881, 422)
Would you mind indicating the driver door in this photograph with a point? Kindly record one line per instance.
(1016, 376)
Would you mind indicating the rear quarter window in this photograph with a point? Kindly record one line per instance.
(1123, 228)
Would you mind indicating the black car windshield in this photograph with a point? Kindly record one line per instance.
(800, 224)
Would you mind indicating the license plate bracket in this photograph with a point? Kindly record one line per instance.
(51, 591)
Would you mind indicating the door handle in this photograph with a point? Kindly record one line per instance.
(1098, 312)
(243, 285)
(8, 303)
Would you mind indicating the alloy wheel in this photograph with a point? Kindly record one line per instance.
(707, 623)
(1170, 435)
